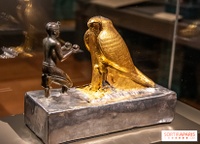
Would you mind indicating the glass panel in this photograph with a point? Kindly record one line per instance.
(146, 26)
(21, 33)
(187, 55)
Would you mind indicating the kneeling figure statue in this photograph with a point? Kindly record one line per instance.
(53, 51)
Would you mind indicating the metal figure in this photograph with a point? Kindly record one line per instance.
(53, 51)
(111, 60)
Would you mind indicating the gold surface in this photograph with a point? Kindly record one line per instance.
(111, 60)
(192, 30)
(25, 13)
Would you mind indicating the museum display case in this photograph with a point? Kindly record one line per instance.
(162, 36)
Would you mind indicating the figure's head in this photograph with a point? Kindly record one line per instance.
(53, 28)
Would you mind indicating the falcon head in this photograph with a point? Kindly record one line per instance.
(97, 23)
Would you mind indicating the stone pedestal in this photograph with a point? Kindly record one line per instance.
(62, 118)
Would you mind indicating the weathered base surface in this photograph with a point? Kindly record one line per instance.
(66, 117)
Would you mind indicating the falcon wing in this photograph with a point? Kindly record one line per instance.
(114, 49)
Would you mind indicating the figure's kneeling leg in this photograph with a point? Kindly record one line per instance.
(46, 84)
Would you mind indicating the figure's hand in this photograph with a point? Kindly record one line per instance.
(68, 45)
(76, 48)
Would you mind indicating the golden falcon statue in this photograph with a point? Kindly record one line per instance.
(111, 60)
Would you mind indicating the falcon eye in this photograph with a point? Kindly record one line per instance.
(96, 25)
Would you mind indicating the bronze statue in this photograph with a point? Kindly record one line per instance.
(53, 51)
(111, 60)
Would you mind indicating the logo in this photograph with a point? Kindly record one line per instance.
(179, 135)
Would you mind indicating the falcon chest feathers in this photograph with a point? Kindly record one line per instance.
(109, 51)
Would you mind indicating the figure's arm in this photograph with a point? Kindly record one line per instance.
(65, 51)
(58, 51)
(68, 49)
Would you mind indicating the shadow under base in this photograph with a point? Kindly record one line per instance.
(66, 117)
